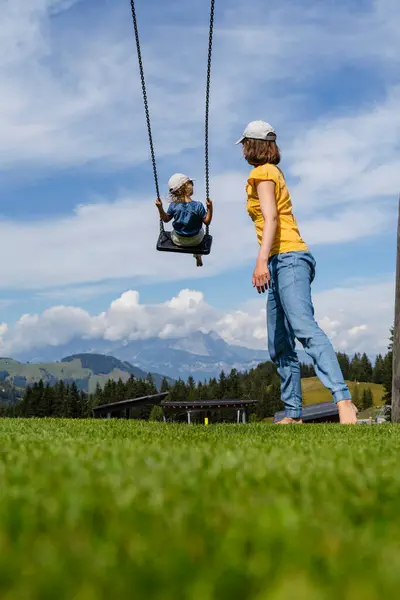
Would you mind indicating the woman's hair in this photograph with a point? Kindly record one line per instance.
(260, 152)
(183, 192)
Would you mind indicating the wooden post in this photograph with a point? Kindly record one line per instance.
(396, 337)
(188, 417)
(238, 416)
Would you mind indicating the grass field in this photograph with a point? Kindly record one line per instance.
(314, 391)
(117, 509)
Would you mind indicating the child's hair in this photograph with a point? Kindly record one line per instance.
(179, 195)
(260, 152)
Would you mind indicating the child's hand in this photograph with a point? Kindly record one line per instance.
(209, 203)
(159, 203)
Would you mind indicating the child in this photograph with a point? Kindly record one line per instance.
(188, 215)
(286, 267)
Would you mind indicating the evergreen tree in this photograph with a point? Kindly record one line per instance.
(73, 401)
(178, 392)
(97, 398)
(377, 376)
(164, 385)
(233, 385)
(40, 408)
(222, 386)
(201, 391)
(150, 387)
(120, 391)
(27, 404)
(367, 399)
(68, 403)
(365, 369)
(357, 398)
(59, 400)
(85, 405)
(307, 371)
(213, 389)
(131, 388)
(191, 390)
(344, 363)
(48, 400)
(141, 388)
(356, 368)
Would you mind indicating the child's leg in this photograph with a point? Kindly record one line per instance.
(295, 273)
(281, 347)
(199, 260)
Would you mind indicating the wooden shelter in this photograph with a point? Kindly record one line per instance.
(122, 410)
(208, 407)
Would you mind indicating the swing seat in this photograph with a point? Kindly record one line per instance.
(165, 244)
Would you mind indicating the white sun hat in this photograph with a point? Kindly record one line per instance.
(258, 130)
(177, 181)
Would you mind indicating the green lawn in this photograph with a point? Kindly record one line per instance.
(118, 510)
(314, 391)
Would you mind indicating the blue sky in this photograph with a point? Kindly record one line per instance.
(77, 221)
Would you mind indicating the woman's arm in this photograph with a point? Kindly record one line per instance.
(266, 195)
(163, 215)
(208, 218)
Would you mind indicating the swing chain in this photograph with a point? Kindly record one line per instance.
(210, 44)
(146, 104)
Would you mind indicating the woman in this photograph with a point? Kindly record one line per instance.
(286, 267)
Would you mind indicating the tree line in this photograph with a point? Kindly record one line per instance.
(260, 383)
(65, 400)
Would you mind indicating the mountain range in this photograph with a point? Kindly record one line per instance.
(200, 355)
(86, 370)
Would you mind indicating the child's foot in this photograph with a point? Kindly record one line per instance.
(199, 260)
(347, 412)
(288, 421)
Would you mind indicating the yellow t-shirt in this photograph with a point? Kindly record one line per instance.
(288, 238)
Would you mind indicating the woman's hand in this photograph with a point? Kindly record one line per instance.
(209, 204)
(159, 203)
(261, 276)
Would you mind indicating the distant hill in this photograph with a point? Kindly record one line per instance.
(87, 370)
(314, 391)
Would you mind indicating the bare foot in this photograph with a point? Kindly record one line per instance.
(288, 421)
(347, 412)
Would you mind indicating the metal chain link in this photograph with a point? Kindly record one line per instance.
(210, 45)
(146, 105)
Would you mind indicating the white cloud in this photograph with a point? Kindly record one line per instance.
(69, 99)
(116, 240)
(349, 159)
(348, 315)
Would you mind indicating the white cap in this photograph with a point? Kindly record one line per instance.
(177, 181)
(258, 130)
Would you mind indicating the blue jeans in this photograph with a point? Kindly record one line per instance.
(290, 315)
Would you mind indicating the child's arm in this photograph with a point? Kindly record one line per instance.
(163, 215)
(208, 218)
